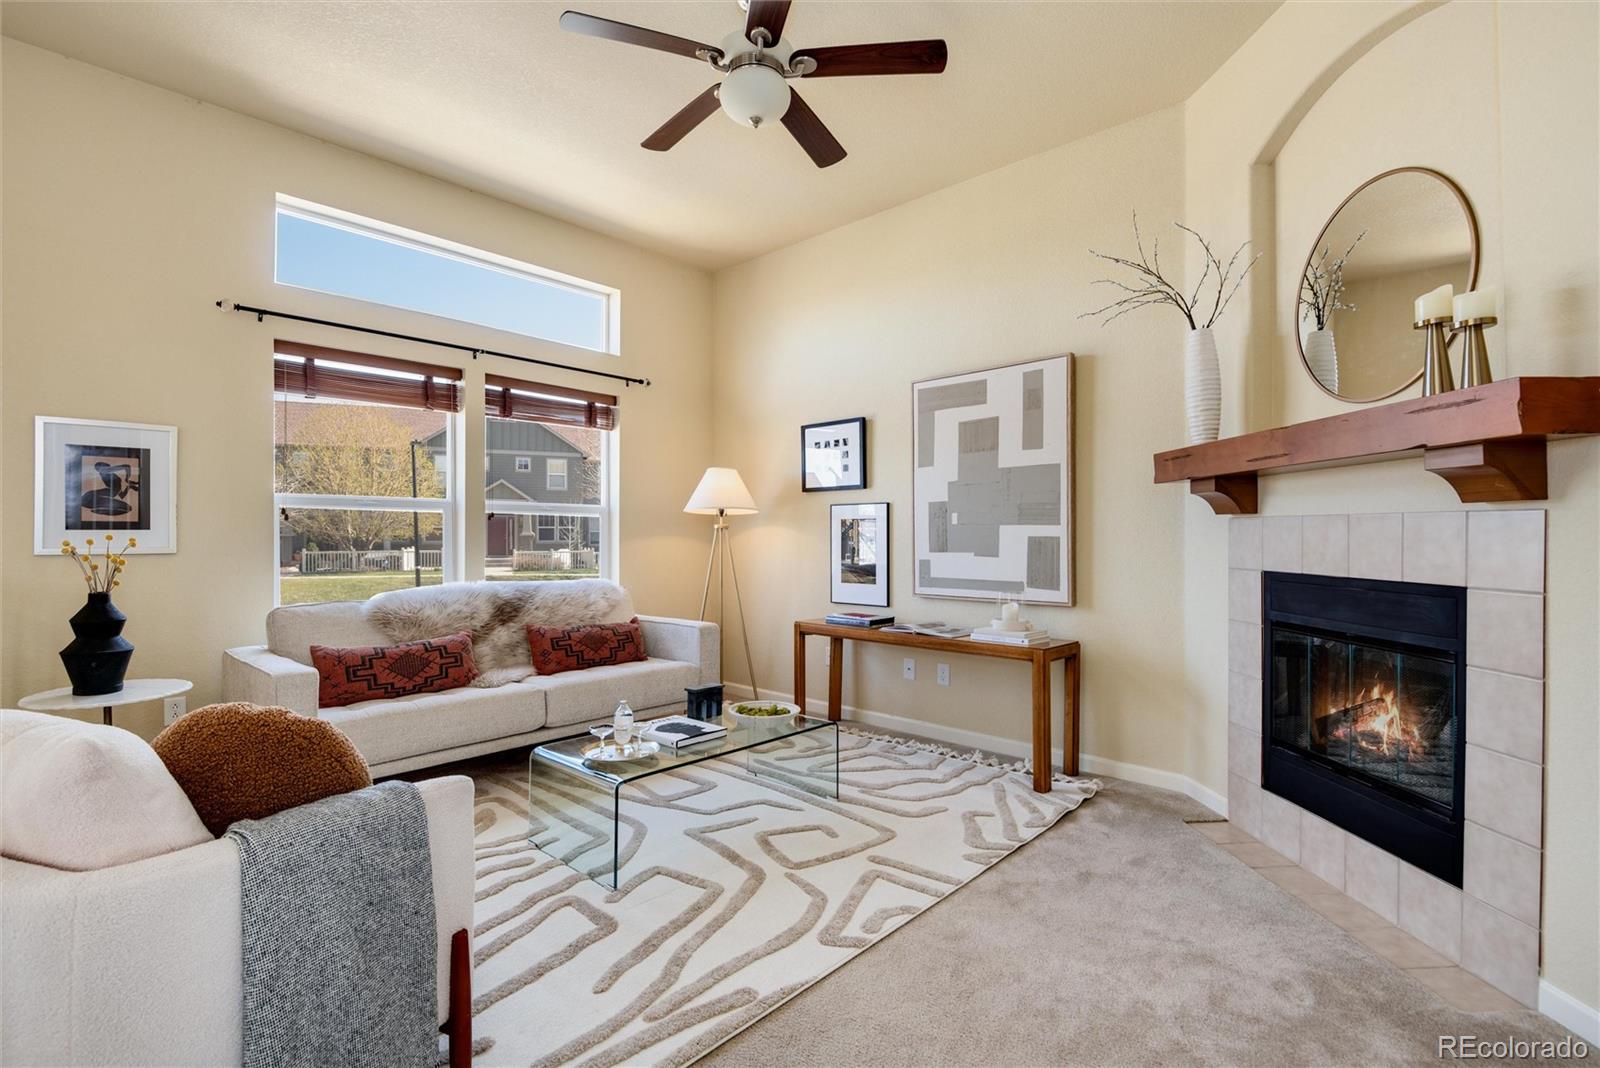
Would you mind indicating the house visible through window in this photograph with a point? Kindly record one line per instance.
(548, 520)
(361, 468)
(347, 255)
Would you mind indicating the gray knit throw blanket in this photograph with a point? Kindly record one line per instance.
(340, 943)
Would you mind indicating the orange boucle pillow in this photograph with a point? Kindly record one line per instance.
(243, 761)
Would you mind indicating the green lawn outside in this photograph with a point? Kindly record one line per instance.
(309, 589)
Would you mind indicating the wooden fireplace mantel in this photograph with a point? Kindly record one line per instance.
(1488, 442)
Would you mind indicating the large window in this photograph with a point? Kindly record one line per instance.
(550, 521)
(336, 252)
(362, 473)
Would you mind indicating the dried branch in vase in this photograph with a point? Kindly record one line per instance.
(1322, 288)
(1150, 287)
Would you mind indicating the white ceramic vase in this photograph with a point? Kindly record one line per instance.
(1202, 386)
(1323, 359)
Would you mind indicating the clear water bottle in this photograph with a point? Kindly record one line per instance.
(622, 724)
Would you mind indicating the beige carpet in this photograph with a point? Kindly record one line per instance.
(741, 888)
(1118, 937)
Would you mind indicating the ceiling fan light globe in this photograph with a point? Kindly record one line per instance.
(754, 95)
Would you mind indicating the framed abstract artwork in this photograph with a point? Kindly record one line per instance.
(833, 456)
(992, 483)
(92, 477)
(859, 554)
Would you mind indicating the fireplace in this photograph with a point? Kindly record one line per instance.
(1363, 709)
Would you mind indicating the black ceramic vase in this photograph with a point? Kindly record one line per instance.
(97, 659)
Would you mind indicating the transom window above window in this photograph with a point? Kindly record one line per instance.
(333, 251)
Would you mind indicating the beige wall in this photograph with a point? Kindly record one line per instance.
(128, 210)
(992, 271)
(1321, 98)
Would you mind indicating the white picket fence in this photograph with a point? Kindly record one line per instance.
(355, 561)
(555, 560)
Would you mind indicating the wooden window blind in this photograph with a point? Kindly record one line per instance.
(511, 398)
(307, 371)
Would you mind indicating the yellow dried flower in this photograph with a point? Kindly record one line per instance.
(117, 583)
(133, 543)
(94, 567)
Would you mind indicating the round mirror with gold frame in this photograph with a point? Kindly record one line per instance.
(1399, 235)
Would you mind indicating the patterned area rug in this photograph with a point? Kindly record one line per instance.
(746, 888)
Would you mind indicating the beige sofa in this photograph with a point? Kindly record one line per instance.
(399, 734)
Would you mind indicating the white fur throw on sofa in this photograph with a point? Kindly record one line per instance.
(497, 615)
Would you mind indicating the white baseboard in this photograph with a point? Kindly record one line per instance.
(1566, 1010)
(959, 737)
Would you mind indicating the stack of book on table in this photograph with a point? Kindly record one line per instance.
(858, 619)
(998, 636)
(680, 732)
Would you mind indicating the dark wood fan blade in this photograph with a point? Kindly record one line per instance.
(823, 148)
(769, 15)
(890, 57)
(594, 26)
(673, 130)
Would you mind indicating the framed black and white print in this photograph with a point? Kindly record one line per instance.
(833, 456)
(992, 483)
(859, 554)
(91, 476)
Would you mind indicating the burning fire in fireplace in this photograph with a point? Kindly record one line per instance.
(1377, 723)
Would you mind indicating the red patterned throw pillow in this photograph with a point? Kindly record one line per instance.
(371, 672)
(558, 649)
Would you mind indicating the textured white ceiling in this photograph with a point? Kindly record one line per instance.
(495, 97)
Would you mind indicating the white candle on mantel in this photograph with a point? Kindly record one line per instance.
(1479, 304)
(1436, 304)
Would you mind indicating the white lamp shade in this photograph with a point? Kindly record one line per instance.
(721, 490)
(754, 95)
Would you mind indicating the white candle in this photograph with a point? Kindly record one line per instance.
(1435, 305)
(1009, 612)
(1479, 304)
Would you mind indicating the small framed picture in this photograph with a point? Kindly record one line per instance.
(92, 477)
(833, 456)
(859, 536)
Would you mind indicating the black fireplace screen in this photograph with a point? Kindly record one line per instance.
(1386, 714)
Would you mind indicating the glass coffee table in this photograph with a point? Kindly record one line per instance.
(575, 804)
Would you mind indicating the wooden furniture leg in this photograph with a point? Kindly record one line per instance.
(1041, 724)
(459, 1025)
(1069, 726)
(800, 668)
(835, 677)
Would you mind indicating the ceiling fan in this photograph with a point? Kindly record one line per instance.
(758, 62)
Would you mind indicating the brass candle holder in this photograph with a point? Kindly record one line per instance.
(1474, 353)
(1436, 376)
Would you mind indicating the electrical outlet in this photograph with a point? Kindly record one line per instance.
(908, 668)
(172, 708)
(944, 674)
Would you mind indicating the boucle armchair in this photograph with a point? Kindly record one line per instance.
(139, 962)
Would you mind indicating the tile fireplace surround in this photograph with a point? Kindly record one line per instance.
(1491, 925)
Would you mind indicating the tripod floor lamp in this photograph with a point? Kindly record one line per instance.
(722, 493)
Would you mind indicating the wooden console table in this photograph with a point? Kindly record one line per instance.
(1040, 656)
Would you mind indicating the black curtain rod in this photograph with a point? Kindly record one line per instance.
(261, 313)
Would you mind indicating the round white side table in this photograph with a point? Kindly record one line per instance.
(133, 692)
